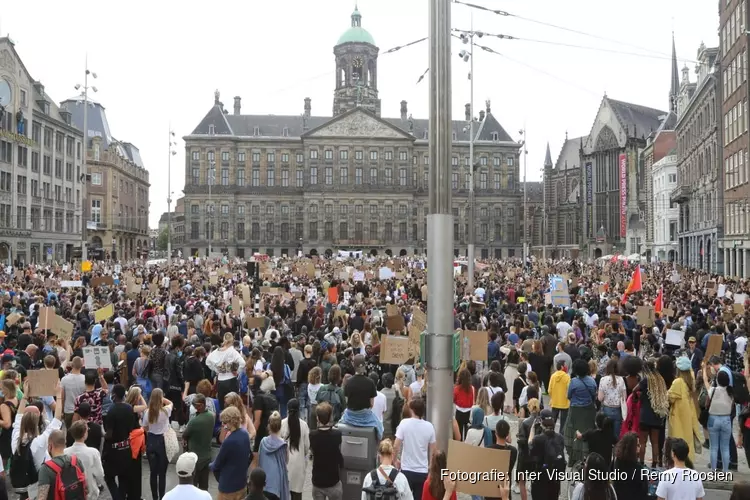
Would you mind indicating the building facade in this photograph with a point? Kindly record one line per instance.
(279, 184)
(665, 212)
(734, 243)
(534, 223)
(562, 202)
(40, 169)
(614, 208)
(117, 206)
(699, 192)
(177, 221)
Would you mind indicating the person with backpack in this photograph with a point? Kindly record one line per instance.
(547, 451)
(332, 393)
(386, 482)
(415, 443)
(360, 392)
(89, 457)
(62, 477)
(264, 405)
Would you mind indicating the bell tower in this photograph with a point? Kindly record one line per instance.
(356, 69)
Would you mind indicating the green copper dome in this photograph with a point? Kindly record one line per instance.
(356, 34)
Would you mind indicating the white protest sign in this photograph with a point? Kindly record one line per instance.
(359, 275)
(97, 357)
(675, 338)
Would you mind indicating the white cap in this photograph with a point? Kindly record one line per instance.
(185, 465)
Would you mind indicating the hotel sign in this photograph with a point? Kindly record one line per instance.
(13, 137)
(623, 195)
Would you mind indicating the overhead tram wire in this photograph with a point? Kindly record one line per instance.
(533, 68)
(575, 46)
(555, 26)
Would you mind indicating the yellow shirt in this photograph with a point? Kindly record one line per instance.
(558, 390)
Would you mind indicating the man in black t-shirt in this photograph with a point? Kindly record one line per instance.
(116, 455)
(360, 393)
(502, 442)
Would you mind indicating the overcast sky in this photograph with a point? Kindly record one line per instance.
(160, 61)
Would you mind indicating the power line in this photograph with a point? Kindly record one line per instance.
(575, 46)
(399, 47)
(555, 26)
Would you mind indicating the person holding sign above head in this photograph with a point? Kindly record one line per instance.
(93, 396)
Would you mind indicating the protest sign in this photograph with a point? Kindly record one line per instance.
(97, 357)
(42, 383)
(484, 463)
(394, 349)
(104, 313)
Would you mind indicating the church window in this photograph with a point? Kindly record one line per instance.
(373, 155)
(359, 209)
(402, 209)
(358, 155)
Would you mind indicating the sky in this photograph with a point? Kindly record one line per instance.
(159, 62)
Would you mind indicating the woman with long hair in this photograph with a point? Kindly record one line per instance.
(155, 423)
(483, 400)
(612, 395)
(297, 435)
(463, 399)
(226, 362)
(273, 457)
(510, 374)
(683, 420)
(234, 399)
(635, 486)
(438, 487)
(401, 384)
(582, 413)
(526, 463)
(282, 377)
(8, 410)
(652, 393)
(595, 486)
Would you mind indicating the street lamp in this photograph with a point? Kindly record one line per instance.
(211, 179)
(468, 38)
(522, 132)
(172, 152)
(82, 179)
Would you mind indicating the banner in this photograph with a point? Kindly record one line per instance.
(589, 200)
(623, 195)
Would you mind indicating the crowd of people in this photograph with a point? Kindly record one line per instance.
(243, 371)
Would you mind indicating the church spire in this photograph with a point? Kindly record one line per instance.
(675, 83)
(548, 158)
(356, 17)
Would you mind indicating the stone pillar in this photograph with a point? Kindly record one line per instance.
(732, 262)
(726, 261)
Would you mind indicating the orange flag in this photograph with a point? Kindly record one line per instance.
(635, 284)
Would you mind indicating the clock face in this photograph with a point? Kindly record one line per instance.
(5, 93)
(358, 62)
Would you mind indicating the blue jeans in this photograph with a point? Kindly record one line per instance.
(362, 418)
(614, 414)
(304, 401)
(719, 432)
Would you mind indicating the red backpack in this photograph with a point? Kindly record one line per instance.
(70, 481)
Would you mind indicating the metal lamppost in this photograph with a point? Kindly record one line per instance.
(522, 132)
(172, 152)
(84, 173)
(468, 38)
(439, 337)
(211, 179)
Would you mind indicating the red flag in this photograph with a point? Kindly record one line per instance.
(659, 302)
(635, 284)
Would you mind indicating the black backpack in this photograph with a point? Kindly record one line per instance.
(22, 469)
(397, 410)
(378, 491)
(554, 457)
(739, 389)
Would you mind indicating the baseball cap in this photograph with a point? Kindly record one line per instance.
(691, 339)
(185, 466)
(548, 418)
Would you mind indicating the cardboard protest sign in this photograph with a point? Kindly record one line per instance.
(102, 281)
(419, 319)
(104, 313)
(174, 286)
(391, 310)
(474, 345)
(213, 280)
(740, 298)
(394, 349)
(236, 305)
(395, 323)
(738, 308)
(415, 334)
(42, 383)
(13, 319)
(301, 306)
(714, 346)
(615, 318)
(63, 328)
(340, 314)
(46, 318)
(483, 462)
(667, 312)
(644, 315)
(255, 322)
(97, 357)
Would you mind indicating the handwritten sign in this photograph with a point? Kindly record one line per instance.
(474, 345)
(42, 383)
(645, 315)
(104, 313)
(395, 350)
(63, 328)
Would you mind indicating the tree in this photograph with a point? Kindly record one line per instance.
(162, 240)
